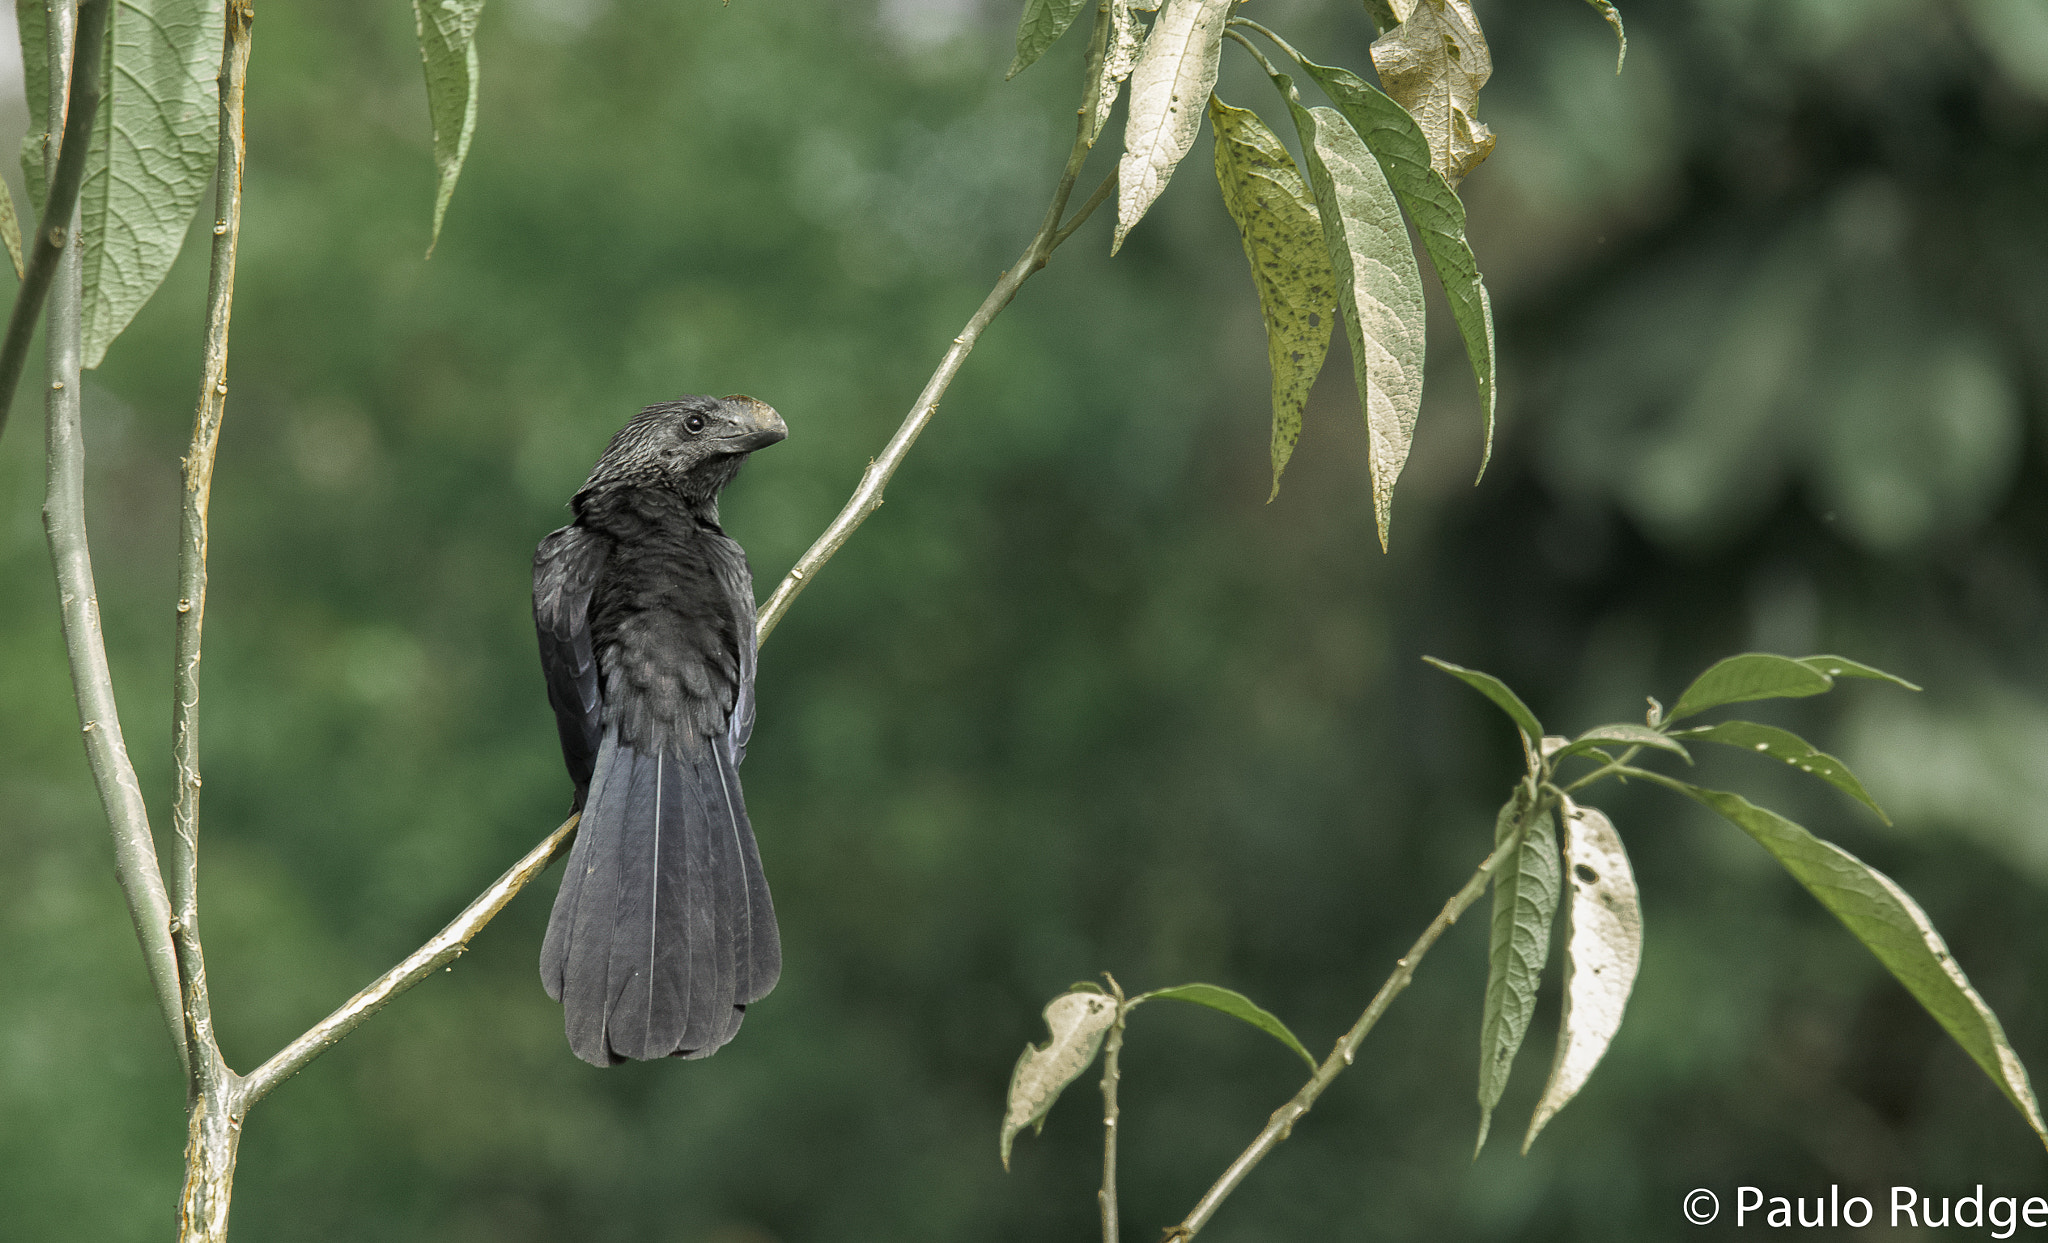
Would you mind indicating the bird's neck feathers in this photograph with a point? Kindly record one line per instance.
(659, 499)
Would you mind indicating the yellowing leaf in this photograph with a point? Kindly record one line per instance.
(1170, 85)
(1379, 288)
(1433, 64)
(1078, 1020)
(1283, 239)
(1603, 949)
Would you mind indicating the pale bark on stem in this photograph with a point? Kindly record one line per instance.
(135, 861)
(1281, 1124)
(215, 1115)
(1112, 1052)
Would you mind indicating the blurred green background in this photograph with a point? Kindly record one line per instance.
(1773, 311)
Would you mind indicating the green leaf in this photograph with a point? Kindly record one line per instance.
(1749, 676)
(1893, 927)
(10, 230)
(1603, 949)
(1119, 57)
(1234, 1004)
(1843, 667)
(1078, 1021)
(32, 22)
(1169, 87)
(1621, 734)
(1379, 288)
(1783, 744)
(1525, 893)
(1044, 22)
(1283, 240)
(1398, 143)
(1433, 64)
(1613, 16)
(154, 142)
(447, 33)
(1496, 690)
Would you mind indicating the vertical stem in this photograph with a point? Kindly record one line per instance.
(1112, 1048)
(216, 1101)
(120, 794)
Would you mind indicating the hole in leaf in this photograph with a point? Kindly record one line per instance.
(1585, 874)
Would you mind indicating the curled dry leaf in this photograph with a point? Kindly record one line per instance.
(1603, 949)
(1126, 38)
(1433, 64)
(1078, 1021)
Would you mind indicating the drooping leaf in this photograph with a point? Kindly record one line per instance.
(1283, 239)
(154, 141)
(1752, 675)
(10, 230)
(1044, 22)
(1893, 927)
(32, 23)
(1119, 57)
(1234, 1004)
(1170, 85)
(1613, 16)
(1603, 949)
(1397, 142)
(1843, 667)
(1078, 1021)
(1379, 288)
(1783, 744)
(1433, 64)
(1496, 690)
(1525, 893)
(1621, 734)
(447, 34)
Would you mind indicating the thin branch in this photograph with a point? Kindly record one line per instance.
(1112, 1050)
(214, 1123)
(447, 945)
(1281, 1124)
(867, 498)
(207, 1070)
(76, 106)
(135, 860)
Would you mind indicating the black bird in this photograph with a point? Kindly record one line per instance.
(663, 931)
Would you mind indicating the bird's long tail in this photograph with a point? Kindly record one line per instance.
(663, 930)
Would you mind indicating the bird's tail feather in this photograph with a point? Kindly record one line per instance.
(662, 931)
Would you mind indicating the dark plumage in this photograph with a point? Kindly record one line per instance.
(663, 931)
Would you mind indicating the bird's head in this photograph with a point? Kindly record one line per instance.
(694, 445)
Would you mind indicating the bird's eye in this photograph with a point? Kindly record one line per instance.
(695, 423)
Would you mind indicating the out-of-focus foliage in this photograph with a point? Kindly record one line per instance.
(1771, 304)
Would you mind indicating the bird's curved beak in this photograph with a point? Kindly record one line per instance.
(756, 425)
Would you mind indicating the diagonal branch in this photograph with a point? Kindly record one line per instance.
(135, 860)
(1281, 1124)
(447, 945)
(59, 220)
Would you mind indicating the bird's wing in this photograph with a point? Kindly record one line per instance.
(566, 570)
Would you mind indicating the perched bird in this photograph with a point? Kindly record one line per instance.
(663, 931)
